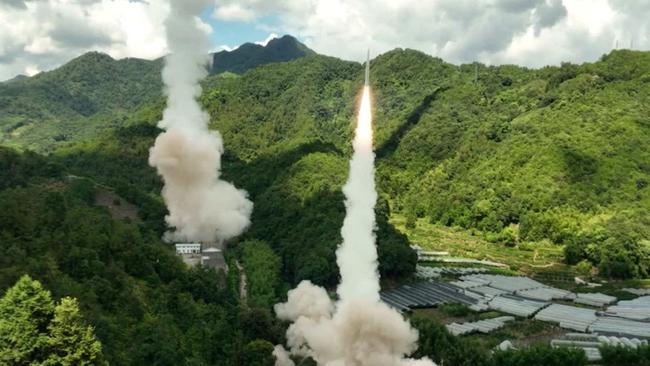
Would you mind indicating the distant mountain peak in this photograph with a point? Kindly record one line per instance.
(93, 56)
(251, 55)
(284, 40)
(17, 78)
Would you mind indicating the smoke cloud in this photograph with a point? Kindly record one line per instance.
(188, 155)
(358, 330)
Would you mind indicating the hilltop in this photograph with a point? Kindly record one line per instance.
(94, 92)
(514, 159)
(251, 55)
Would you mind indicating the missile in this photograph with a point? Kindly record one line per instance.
(367, 68)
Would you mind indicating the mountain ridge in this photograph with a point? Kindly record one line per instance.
(77, 99)
(250, 55)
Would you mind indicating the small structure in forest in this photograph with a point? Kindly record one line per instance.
(205, 254)
(188, 248)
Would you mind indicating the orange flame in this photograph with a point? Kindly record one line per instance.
(363, 137)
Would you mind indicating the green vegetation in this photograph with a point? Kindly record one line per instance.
(94, 93)
(624, 356)
(145, 306)
(537, 169)
(455, 309)
(525, 156)
(262, 267)
(251, 55)
(35, 330)
(547, 162)
(86, 96)
(541, 356)
(526, 257)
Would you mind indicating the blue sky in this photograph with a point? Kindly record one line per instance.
(234, 33)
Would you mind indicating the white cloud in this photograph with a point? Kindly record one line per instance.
(31, 70)
(233, 12)
(225, 47)
(40, 35)
(264, 42)
(594, 16)
(268, 39)
(527, 32)
(41, 45)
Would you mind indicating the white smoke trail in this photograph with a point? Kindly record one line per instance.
(188, 156)
(359, 330)
(357, 256)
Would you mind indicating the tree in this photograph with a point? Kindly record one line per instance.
(25, 311)
(443, 348)
(35, 332)
(258, 353)
(625, 356)
(541, 355)
(262, 267)
(71, 341)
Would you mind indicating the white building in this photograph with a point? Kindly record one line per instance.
(206, 254)
(188, 248)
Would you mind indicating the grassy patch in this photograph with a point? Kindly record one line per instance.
(455, 310)
(540, 257)
(521, 332)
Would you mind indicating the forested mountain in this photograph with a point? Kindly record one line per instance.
(523, 155)
(78, 100)
(251, 55)
(16, 78)
(94, 92)
(515, 155)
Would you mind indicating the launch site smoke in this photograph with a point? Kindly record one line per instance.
(359, 329)
(187, 155)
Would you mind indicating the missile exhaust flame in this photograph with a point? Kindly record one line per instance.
(358, 330)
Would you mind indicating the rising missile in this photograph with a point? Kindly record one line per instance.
(367, 68)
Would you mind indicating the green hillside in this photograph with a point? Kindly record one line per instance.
(94, 93)
(519, 156)
(145, 306)
(87, 95)
(528, 155)
(251, 55)
(523, 156)
(551, 161)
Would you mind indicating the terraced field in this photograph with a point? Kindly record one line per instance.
(528, 258)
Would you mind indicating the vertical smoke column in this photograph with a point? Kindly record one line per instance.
(187, 155)
(357, 255)
(359, 330)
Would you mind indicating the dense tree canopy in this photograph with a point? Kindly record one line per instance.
(33, 331)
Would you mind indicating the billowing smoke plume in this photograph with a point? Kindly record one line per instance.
(358, 330)
(188, 156)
